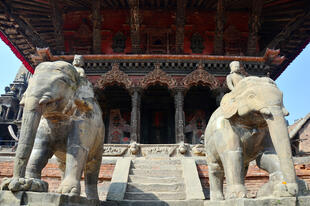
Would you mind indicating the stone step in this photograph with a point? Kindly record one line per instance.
(156, 166)
(151, 187)
(144, 179)
(156, 173)
(160, 203)
(155, 196)
(159, 161)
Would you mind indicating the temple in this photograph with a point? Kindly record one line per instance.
(158, 67)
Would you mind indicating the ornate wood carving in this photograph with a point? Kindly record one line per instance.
(119, 42)
(200, 76)
(254, 26)
(135, 114)
(179, 114)
(24, 27)
(286, 32)
(219, 30)
(96, 17)
(197, 43)
(114, 76)
(158, 76)
(233, 42)
(272, 57)
(180, 21)
(58, 26)
(135, 26)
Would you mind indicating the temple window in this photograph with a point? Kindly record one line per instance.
(119, 42)
(197, 43)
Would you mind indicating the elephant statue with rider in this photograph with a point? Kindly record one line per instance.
(62, 118)
(250, 125)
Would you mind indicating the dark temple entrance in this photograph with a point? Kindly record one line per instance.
(115, 103)
(157, 116)
(199, 104)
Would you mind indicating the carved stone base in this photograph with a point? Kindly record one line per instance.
(8, 198)
(285, 201)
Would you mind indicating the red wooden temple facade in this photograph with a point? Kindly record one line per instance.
(158, 66)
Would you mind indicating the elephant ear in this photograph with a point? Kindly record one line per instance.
(229, 105)
(84, 97)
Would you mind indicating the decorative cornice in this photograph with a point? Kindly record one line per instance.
(200, 76)
(158, 76)
(114, 76)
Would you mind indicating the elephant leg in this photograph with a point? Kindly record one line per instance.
(91, 176)
(232, 160)
(75, 160)
(38, 159)
(216, 177)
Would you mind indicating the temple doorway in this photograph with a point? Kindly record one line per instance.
(157, 116)
(115, 103)
(199, 104)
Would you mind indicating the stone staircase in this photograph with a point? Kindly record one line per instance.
(155, 179)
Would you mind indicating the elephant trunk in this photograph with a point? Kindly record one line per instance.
(30, 122)
(280, 139)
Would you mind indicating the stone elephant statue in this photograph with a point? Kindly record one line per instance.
(249, 124)
(62, 118)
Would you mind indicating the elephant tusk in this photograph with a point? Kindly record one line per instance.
(265, 111)
(44, 100)
(285, 112)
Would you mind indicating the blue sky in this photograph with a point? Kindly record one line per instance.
(294, 81)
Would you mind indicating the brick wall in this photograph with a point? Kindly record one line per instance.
(254, 180)
(304, 136)
(255, 177)
(52, 175)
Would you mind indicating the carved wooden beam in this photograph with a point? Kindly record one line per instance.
(135, 26)
(286, 32)
(219, 30)
(180, 21)
(96, 17)
(24, 28)
(254, 26)
(58, 26)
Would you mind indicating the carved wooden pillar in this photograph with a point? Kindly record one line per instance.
(58, 26)
(180, 21)
(219, 30)
(179, 114)
(20, 113)
(7, 113)
(96, 17)
(135, 26)
(254, 26)
(135, 114)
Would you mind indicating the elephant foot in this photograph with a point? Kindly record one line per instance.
(285, 189)
(24, 184)
(279, 188)
(70, 187)
(217, 195)
(235, 191)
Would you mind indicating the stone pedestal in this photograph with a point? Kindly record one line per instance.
(8, 198)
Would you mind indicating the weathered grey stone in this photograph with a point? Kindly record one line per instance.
(303, 201)
(156, 173)
(155, 196)
(62, 117)
(144, 179)
(7, 198)
(161, 203)
(249, 125)
(285, 201)
(194, 189)
(150, 187)
(119, 180)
